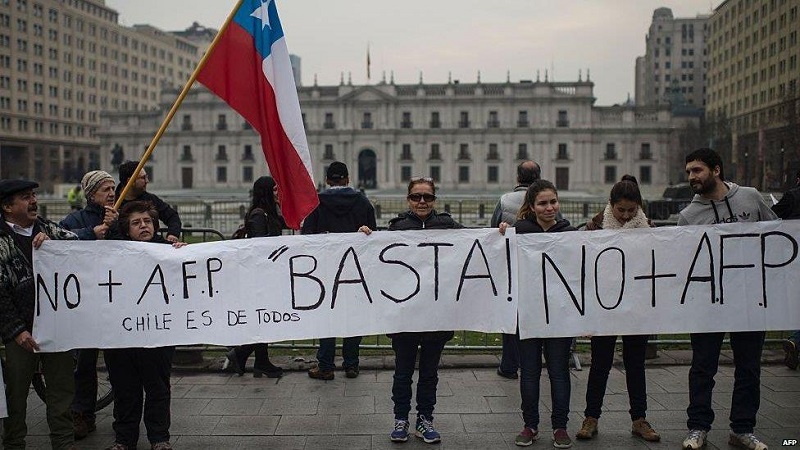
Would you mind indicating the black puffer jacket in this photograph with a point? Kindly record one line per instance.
(410, 221)
(532, 226)
(435, 221)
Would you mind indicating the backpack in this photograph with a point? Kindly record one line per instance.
(241, 232)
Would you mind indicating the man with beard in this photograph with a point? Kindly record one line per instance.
(22, 231)
(94, 222)
(720, 201)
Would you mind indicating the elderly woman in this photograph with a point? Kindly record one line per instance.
(138, 372)
(96, 221)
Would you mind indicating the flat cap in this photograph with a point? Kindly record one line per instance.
(11, 187)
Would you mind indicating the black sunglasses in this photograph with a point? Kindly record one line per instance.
(417, 197)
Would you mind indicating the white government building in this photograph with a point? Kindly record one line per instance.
(469, 137)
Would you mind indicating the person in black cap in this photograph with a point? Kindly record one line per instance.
(138, 192)
(341, 209)
(22, 231)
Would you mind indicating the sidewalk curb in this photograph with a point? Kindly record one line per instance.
(214, 363)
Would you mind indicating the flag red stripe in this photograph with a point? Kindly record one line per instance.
(234, 73)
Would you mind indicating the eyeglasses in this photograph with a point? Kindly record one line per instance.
(417, 197)
(424, 179)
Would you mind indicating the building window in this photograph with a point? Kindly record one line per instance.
(406, 153)
(186, 154)
(645, 175)
(405, 173)
(611, 174)
(645, 152)
(463, 174)
(406, 123)
(562, 152)
(329, 124)
(522, 120)
(463, 121)
(247, 155)
(492, 155)
(435, 122)
(435, 153)
(562, 119)
(186, 125)
(366, 121)
(222, 123)
(329, 152)
(493, 122)
(463, 152)
(522, 152)
(222, 174)
(436, 173)
(222, 153)
(247, 174)
(611, 152)
(493, 174)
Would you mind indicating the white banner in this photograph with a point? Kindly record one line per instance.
(107, 294)
(730, 277)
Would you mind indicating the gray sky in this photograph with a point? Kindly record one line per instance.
(440, 36)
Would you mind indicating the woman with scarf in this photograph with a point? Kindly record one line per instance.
(623, 212)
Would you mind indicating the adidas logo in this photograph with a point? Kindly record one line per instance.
(745, 216)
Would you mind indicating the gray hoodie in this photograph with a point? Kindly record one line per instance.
(741, 204)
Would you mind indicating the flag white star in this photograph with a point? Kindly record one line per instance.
(262, 13)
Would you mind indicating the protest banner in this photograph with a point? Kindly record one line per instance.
(110, 294)
(729, 277)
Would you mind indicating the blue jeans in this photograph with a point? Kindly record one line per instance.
(405, 353)
(556, 352)
(509, 362)
(327, 350)
(747, 347)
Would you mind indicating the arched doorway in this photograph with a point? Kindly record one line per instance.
(367, 169)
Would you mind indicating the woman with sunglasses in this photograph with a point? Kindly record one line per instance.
(420, 215)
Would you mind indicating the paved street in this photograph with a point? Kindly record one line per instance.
(476, 409)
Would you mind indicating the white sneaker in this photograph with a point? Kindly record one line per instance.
(696, 439)
(746, 440)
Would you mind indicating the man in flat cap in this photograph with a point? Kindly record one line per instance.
(341, 209)
(91, 223)
(22, 231)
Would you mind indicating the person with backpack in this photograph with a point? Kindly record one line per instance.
(262, 219)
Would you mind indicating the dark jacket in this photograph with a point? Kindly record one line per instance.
(788, 207)
(166, 214)
(410, 221)
(82, 222)
(532, 226)
(435, 221)
(17, 300)
(340, 210)
(259, 224)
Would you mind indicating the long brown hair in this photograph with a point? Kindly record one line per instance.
(526, 210)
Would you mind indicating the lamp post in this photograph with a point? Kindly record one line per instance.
(746, 168)
(783, 170)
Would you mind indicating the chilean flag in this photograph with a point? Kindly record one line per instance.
(249, 68)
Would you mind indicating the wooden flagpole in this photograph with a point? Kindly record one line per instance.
(175, 106)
